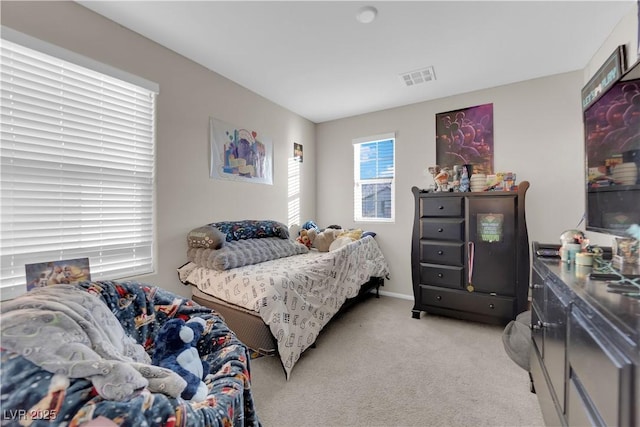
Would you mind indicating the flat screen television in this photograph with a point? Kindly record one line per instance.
(612, 156)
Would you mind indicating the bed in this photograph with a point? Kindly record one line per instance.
(61, 389)
(279, 305)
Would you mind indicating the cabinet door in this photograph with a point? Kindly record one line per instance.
(554, 328)
(492, 229)
(599, 370)
(579, 412)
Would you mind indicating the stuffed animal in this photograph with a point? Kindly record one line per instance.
(175, 349)
(344, 238)
(309, 225)
(354, 234)
(304, 237)
(322, 240)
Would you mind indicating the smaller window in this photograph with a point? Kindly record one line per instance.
(374, 174)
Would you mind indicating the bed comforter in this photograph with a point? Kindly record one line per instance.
(32, 395)
(297, 295)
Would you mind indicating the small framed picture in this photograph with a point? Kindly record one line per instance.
(56, 272)
(297, 152)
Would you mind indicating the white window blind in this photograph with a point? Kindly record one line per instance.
(374, 174)
(77, 168)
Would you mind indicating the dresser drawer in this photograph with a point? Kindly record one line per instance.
(442, 252)
(442, 275)
(473, 302)
(602, 371)
(442, 228)
(442, 206)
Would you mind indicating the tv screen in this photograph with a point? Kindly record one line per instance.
(612, 151)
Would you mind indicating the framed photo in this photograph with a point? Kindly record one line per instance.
(465, 136)
(56, 272)
(297, 152)
(239, 154)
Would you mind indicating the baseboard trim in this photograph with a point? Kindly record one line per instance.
(394, 295)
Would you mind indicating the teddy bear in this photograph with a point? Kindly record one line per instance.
(175, 349)
(321, 240)
(304, 237)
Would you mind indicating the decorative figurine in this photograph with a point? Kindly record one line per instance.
(434, 171)
(464, 180)
(442, 180)
(455, 178)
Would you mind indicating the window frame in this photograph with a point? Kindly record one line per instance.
(358, 182)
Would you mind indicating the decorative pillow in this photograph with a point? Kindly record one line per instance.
(252, 229)
(207, 237)
(369, 233)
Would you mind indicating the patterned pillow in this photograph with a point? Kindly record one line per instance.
(252, 229)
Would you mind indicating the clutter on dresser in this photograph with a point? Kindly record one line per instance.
(460, 178)
(572, 242)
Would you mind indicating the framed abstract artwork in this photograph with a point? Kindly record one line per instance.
(465, 136)
(239, 154)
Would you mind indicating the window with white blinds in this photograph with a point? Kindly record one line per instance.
(77, 168)
(374, 175)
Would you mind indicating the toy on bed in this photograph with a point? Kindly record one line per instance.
(83, 354)
(175, 349)
(305, 237)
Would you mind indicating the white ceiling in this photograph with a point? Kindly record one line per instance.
(315, 59)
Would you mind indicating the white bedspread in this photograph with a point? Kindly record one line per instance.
(297, 295)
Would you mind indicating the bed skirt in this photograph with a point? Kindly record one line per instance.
(249, 326)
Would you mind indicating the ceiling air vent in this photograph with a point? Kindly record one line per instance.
(419, 76)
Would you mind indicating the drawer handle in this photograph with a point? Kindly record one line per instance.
(491, 306)
(440, 252)
(440, 275)
(440, 230)
(440, 207)
(539, 325)
(439, 298)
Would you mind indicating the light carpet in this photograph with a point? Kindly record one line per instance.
(374, 365)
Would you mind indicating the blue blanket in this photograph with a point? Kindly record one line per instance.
(33, 396)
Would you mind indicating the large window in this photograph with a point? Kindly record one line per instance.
(374, 173)
(77, 166)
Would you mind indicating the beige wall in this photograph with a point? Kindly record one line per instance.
(189, 95)
(538, 134)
